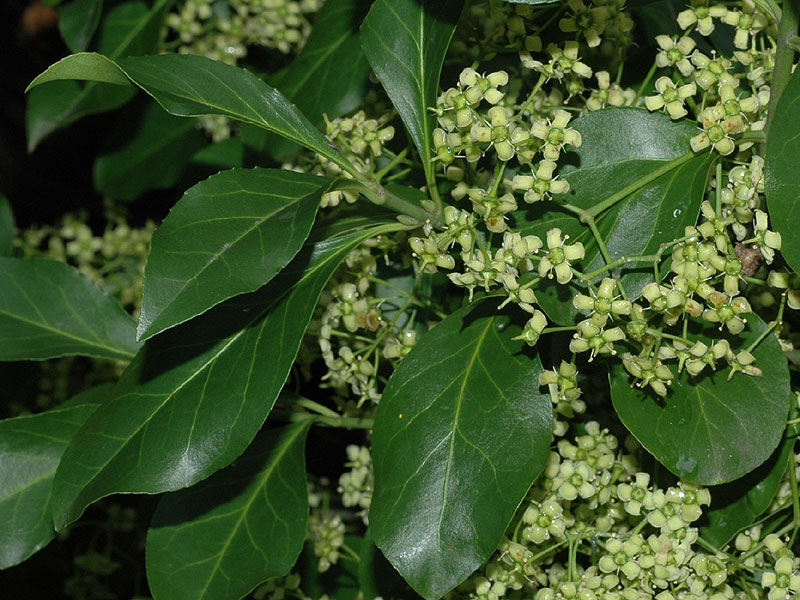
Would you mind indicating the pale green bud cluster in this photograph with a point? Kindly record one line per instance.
(279, 588)
(114, 259)
(224, 30)
(356, 485)
(326, 534)
(351, 333)
(361, 140)
(631, 539)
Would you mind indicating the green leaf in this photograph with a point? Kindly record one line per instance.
(405, 42)
(738, 504)
(461, 432)
(781, 176)
(128, 28)
(6, 227)
(228, 235)
(194, 397)
(146, 149)
(711, 430)
(191, 86)
(646, 162)
(315, 80)
(48, 309)
(245, 524)
(77, 22)
(378, 578)
(30, 449)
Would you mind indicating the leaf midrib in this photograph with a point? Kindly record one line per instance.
(451, 450)
(215, 256)
(376, 230)
(267, 473)
(51, 329)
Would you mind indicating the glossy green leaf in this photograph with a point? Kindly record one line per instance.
(461, 432)
(781, 175)
(48, 309)
(405, 42)
(315, 81)
(146, 149)
(128, 28)
(738, 504)
(245, 524)
(77, 22)
(377, 578)
(194, 397)
(711, 430)
(228, 235)
(190, 86)
(646, 162)
(30, 449)
(6, 227)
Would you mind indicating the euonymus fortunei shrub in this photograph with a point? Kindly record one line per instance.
(532, 263)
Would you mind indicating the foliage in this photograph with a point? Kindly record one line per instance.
(536, 259)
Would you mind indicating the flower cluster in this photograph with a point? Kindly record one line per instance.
(114, 258)
(591, 501)
(225, 30)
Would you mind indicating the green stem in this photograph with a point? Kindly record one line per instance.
(560, 328)
(379, 195)
(639, 183)
(399, 157)
(660, 334)
(653, 258)
(778, 320)
(499, 169)
(603, 250)
(351, 552)
(784, 55)
(707, 545)
(795, 499)
(645, 81)
(341, 422)
(531, 96)
(316, 407)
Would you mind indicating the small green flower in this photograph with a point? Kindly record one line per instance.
(671, 97)
(636, 495)
(555, 134)
(588, 21)
(559, 256)
(702, 16)
(574, 479)
(533, 328)
(594, 338)
(540, 184)
(675, 53)
(784, 582)
(621, 557)
(543, 520)
(747, 22)
(602, 301)
(648, 372)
